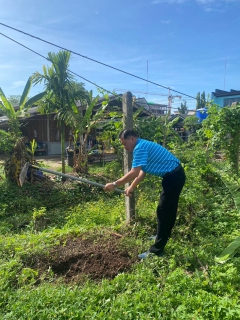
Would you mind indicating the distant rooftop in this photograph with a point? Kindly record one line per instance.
(223, 93)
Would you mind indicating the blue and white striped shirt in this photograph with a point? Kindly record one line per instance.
(153, 158)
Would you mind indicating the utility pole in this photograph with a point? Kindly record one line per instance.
(127, 157)
(170, 100)
(169, 95)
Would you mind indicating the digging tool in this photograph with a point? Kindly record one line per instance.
(23, 174)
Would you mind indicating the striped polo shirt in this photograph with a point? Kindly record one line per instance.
(153, 158)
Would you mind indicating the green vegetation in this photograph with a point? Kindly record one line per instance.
(61, 91)
(185, 284)
(11, 141)
(66, 251)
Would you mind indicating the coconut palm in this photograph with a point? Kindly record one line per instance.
(62, 91)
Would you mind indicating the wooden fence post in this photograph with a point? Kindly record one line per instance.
(127, 157)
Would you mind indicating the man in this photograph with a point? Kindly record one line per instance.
(150, 157)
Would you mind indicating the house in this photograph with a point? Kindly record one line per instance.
(225, 98)
(45, 129)
(158, 109)
(179, 125)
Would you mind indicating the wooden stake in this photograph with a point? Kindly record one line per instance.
(127, 162)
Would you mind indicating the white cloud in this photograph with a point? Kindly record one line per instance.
(213, 10)
(205, 2)
(5, 66)
(17, 84)
(168, 1)
(165, 21)
(201, 2)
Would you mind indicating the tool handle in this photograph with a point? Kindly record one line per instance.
(74, 178)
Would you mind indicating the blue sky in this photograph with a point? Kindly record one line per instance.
(188, 45)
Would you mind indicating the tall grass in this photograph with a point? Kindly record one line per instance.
(185, 284)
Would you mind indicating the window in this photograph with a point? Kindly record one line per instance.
(229, 101)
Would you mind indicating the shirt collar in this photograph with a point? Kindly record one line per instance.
(137, 142)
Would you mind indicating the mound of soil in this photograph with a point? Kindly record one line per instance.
(95, 257)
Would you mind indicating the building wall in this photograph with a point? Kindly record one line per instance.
(36, 128)
(54, 148)
(225, 100)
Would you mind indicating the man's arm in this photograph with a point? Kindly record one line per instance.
(139, 179)
(136, 181)
(128, 177)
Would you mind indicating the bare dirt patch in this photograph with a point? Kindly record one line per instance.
(95, 258)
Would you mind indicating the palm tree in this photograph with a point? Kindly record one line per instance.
(62, 91)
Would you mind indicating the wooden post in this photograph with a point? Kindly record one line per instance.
(48, 135)
(48, 129)
(127, 157)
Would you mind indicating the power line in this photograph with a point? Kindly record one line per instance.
(39, 54)
(114, 94)
(104, 64)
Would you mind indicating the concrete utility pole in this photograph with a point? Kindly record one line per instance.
(127, 161)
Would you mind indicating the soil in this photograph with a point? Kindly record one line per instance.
(95, 257)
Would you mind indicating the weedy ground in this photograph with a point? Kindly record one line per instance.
(67, 253)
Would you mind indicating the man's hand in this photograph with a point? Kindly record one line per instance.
(109, 187)
(129, 191)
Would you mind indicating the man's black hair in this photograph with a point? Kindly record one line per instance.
(124, 134)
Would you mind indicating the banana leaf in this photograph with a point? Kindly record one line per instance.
(229, 252)
(233, 187)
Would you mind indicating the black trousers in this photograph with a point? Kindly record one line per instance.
(172, 185)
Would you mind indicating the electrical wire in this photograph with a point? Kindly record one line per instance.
(114, 94)
(37, 53)
(96, 61)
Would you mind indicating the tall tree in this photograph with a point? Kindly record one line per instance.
(203, 100)
(198, 101)
(14, 100)
(62, 91)
(183, 108)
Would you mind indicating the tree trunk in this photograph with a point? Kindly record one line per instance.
(81, 162)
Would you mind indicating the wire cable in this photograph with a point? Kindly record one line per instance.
(39, 54)
(112, 93)
(96, 61)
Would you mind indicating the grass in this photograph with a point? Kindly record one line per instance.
(185, 284)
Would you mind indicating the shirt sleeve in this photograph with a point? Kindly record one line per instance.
(140, 157)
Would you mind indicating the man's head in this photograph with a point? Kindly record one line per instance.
(128, 139)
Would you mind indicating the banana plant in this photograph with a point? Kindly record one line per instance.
(82, 125)
(15, 115)
(17, 150)
(168, 130)
(232, 183)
